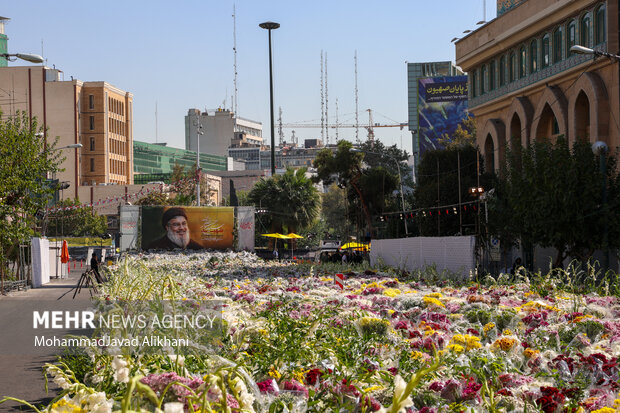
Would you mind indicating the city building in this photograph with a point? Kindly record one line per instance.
(525, 83)
(95, 114)
(216, 131)
(156, 161)
(3, 42)
(415, 72)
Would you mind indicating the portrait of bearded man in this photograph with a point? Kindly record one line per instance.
(174, 222)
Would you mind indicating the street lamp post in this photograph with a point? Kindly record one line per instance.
(269, 26)
(600, 148)
(32, 58)
(400, 181)
(596, 53)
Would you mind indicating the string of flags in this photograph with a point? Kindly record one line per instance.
(446, 210)
(138, 195)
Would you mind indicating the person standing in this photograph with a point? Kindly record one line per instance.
(94, 265)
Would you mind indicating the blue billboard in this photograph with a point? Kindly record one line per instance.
(442, 106)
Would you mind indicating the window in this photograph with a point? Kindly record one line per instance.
(584, 30)
(511, 67)
(502, 71)
(492, 71)
(92, 143)
(534, 56)
(557, 45)
(483, 79)
(92, 123)
(522, 62)
(545, 51)
(91, 102)
(599, 25)
(92, 164)
(474, 84)
(571, 35)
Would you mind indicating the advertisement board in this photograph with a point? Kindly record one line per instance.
(442, 105)
(193, 228)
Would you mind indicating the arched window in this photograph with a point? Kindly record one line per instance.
(522, 62)
(545, 51)
(557, 45)
(511, 67)
(584, 30)
(492, 71)
(502, 71)
(600, 35)
(534, 56)
(571, 35)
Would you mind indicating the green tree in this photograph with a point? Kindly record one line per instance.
(438, 185)
(291, 200)
(75, 220)
(550, 195)
(24, 194)
(335, 212)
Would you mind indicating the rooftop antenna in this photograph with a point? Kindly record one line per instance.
(336, 119)
(326, 100)
(293, 137)
(280, 133)
(322, 102)
(236, 99)
(484, 12)
(357, 111)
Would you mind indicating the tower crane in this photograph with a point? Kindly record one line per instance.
(369, 128)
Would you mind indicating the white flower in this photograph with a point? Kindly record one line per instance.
(62, 382)
(179, 360)
(121, 373)
(173, 407)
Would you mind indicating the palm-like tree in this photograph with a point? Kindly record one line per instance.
(291, 200)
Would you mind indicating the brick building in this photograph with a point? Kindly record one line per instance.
(525, 84)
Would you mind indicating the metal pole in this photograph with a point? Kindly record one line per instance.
(198, 166)
(458, 157)
(273, 153)
(604, 202)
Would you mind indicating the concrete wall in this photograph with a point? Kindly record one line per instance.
(455, 254)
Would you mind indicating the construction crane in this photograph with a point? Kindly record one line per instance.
(369, 128)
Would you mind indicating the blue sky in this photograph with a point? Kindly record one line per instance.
(180, 55)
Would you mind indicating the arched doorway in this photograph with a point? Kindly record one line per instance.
(582, 117)
(489, 154)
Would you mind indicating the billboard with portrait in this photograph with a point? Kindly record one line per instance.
(192, 228)
(442, 105)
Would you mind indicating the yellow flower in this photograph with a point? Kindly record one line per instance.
(530, 353)
(299, 376)
(432, 301)
(434, 295)
(581, 318)
(456, 348)
(391, 292)
(390, 312)
(487, 327)
(417, 355)
(604, 410)
(274, 373)
(507, 332)
(469, 342)
(505, 343)
(373, 388)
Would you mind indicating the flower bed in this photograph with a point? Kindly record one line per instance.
(293, 340)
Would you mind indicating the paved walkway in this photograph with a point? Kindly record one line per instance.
(21, 374)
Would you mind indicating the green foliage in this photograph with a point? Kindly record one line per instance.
(77, 221)
(154, 198)
(291, 200)
(464, 135)
(26, 161)
(550, 195)
(438, 185)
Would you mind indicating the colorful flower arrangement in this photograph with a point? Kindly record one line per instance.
(292, 340)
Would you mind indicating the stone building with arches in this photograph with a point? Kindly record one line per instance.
(525, 84)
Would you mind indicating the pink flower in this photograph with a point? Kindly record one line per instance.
(267, 386)
(295, 386)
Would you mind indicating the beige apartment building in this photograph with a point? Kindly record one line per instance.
(95, 114)
(526, 84)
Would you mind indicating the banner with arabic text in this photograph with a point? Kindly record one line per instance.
(192, 228)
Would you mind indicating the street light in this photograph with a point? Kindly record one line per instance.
(597, 53)
(600, 149)
(400, 181)
(271, 26)
(32, 58)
